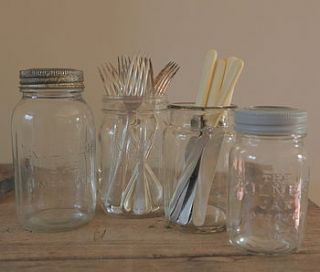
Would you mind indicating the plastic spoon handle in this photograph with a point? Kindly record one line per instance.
(234, 68)
(215, 91)
(206, 77)
(210, 155)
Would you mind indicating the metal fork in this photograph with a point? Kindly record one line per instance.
(164, 78)
(133, 80)
(114, 80)
(129, 81)
(137, 196)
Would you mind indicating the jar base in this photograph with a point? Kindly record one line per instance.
(197, 230)
(119, 212)
(258, 246)
(56, 220)
(215, 221)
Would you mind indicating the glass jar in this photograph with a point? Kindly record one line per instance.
(131, 158)
(53, 138)
(197, 142)
(268, 184)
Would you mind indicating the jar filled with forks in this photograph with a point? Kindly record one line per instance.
(135, 116)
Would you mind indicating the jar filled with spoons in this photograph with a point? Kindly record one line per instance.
(196, 147)
(197, 142)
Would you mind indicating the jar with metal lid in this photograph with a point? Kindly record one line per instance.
(53, 136)
(268, 180)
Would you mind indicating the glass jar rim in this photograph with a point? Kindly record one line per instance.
(108, 98)
(52, 87)
(123, 103)
(193, 106)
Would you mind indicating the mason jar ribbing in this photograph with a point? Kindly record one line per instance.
(268, 180)
(53, 136)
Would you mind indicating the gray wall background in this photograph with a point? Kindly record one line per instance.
(278, 39)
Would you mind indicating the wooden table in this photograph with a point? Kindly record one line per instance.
(113, 244)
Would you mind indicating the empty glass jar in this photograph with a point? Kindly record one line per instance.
(53, 138)
(268, 184)
(131, 139)
(197, 142)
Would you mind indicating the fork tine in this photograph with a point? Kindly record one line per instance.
(150, 82)
(163, 83)
(137, 70)
(133, 76)
(120, 74)
(148, 85)
(161, 73)
(103, 81)
(144, 76)
(175, 68)
(140, 79)
(164, 71)
(130, 77)
(168, 80)
(138, 76)
(121, 66)
(127, 62)
(124, 70)
(108, 80)
(111, 72)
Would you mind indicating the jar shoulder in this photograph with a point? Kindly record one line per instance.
(55, 107)
(29, 112)
(287, 152)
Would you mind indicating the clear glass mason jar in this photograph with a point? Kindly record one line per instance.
(197, 142)
(53, 136)
(131, 158)
(268, 184)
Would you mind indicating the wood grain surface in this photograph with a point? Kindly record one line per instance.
(6, 171)
(117, 244)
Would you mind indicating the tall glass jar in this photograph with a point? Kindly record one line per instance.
(131, 159)
(197, 142)
(53, 138)
(269, 176)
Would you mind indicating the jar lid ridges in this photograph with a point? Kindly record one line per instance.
(51, 78)
(270, 120)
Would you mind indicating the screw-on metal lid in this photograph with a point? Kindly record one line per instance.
(270, 120)
(51, 78)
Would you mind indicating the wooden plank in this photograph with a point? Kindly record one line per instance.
(6, 180)
(6, 171)
(111, 237)
(106, 237)
(117, 244)
(292, 263)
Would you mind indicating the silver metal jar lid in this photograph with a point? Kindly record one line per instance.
(51, 78)
(270, 120)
